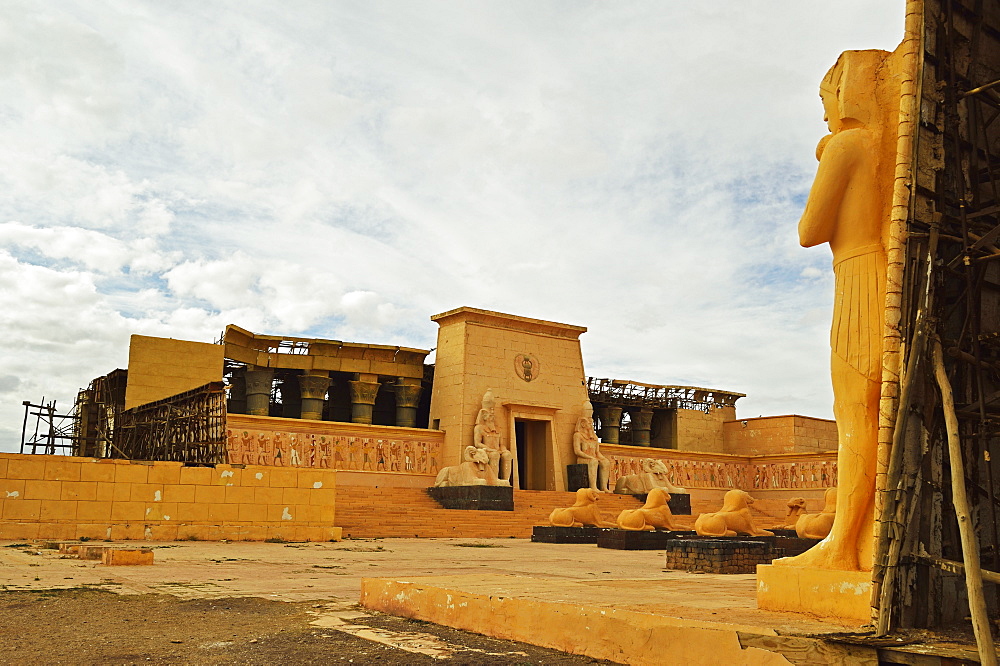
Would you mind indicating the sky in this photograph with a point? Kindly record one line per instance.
(346, 170)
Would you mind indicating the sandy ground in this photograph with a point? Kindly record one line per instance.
(257, 603)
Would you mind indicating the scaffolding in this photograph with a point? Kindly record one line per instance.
(624, 393)
(97, 408)
(950, 334)
(53, 433)
(188, 427)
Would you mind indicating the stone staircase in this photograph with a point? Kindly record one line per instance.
(367, 512)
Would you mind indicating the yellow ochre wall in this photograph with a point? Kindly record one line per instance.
(697, 431)
(161, 367)
(780, 434)
(61, 497)
(476, 351)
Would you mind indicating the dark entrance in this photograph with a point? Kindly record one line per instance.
(530, 438)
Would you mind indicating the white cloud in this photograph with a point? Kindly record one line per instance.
(347, 170)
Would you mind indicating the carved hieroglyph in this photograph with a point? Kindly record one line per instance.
(486, 437)
(583, 512)
(587, 448)
(848, 207)
(654, 514)
(653, 475)
(733, 519)
(818, 525)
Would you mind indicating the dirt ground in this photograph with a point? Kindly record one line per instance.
(91, 626)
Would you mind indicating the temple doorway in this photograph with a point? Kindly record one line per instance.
(531, 438)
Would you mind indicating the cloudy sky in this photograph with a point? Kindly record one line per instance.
(347, 169)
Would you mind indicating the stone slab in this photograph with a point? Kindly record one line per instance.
(127, 556)
(632, 540)
(481, 498)
(627, 621)
(827, 592)
(550, 534)
(93, 551)
(577, 477)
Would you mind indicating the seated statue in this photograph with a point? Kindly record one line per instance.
(486, 437)
(796, 506)
(733, 519)
(818, 525)
(587, 448)
(583, 512)
(654, 475)
(475, 471)
(654, 514)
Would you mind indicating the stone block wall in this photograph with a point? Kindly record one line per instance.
(61, 497)
(161, 367)
(700, 431)
(780, 434)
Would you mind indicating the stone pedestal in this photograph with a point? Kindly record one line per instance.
(642, 421)
(313, 388)
(841, 594)
(549, 534)
(258, 384)
(679, 503)
(576, 477)
(630, 540)
(407, 400)
(488, 498)
(364, 390)
(611, 421)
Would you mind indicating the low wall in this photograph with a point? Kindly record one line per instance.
(61, 497)
(273, 441)
(691, 469)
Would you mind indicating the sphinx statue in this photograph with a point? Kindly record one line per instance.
(849, 208)
(654, 475)
(473, 471)
(584, 512)
(734, 518)
(796, 507)
(487, 438)
(654, 514)
(587, 448)
(818, 525)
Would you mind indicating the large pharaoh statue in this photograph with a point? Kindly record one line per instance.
(486, 436)
(848, 207)
(587, 448)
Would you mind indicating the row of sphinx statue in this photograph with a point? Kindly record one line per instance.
(733, 519)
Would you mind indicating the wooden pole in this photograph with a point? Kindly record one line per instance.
(970, 547)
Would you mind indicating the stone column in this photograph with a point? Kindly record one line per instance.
(237, 392)
(258, 383)
(611, 421)
(642, 421)
(313, 387)
(364, 389)
(291, 399)
(407, 400)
